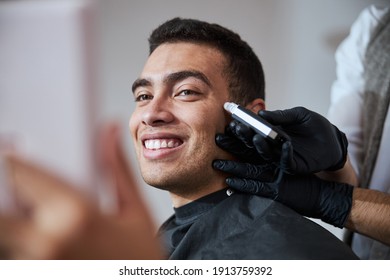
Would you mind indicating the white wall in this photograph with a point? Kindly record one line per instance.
(295, 40)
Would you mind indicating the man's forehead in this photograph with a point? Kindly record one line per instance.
(174, 57)
(182, 57)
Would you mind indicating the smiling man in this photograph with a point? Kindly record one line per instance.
(194, 68)
(178, 112)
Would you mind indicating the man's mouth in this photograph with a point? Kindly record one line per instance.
(157, 144)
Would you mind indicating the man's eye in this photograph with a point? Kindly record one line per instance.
(143, 97)
(187, 92)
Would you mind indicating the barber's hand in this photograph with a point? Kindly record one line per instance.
(237, 140)
(316, 144)
(61, 223)
(306, 194)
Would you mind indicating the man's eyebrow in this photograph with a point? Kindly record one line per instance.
(181, 75)
(172, 78)
(140, 83)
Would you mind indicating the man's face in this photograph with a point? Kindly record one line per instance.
(179, 109)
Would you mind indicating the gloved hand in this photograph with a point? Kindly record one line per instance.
(316, 144)
(306, 194)
(237, 145)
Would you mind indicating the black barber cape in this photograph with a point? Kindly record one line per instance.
(227, 225)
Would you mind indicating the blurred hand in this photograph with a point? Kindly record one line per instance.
(315, 144)
(61, 223)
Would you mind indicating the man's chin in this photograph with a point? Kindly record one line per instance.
(173, 184)
(159, 182)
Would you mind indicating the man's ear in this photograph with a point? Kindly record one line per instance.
(256, 105)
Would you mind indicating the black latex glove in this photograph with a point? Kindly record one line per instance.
(306, 194)
(237, 146)
(316, 144)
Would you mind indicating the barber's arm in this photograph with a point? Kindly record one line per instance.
(370, 214)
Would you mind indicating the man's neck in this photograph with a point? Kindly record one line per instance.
(180, 200)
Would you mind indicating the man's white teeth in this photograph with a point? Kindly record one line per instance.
(156, 144)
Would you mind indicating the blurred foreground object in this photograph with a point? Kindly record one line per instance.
(59, 222)
(48, 88)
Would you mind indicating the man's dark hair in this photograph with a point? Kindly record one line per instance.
(244, 71)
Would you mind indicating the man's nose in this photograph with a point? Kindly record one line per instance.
(158, 112)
